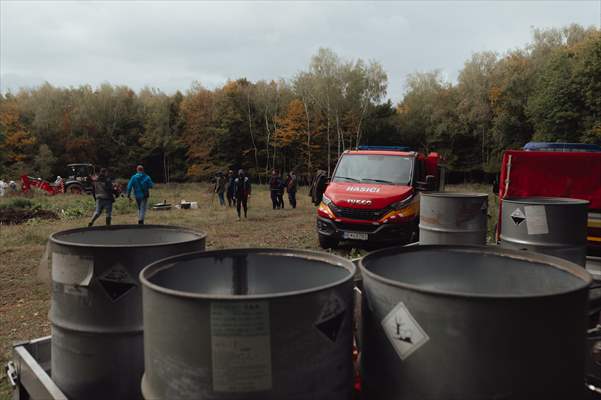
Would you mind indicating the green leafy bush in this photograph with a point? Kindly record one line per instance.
(18, 202)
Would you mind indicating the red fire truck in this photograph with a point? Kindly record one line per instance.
(373, 195)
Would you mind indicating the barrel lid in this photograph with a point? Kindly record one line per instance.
(455, 194)
(336, 261)
(546, 201)
(524, 256)
(70, 237)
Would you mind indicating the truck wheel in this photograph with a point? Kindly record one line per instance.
(326, 242)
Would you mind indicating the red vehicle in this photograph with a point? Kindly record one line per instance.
(373, 196)
(556, 170)
(28, 182)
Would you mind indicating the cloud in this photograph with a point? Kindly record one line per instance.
(171, 44)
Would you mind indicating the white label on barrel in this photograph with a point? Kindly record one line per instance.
(71, 269)
(241, 346)
(536, 220)
(403, 331)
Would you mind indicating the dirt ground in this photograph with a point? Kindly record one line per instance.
(15, 216)
(24, 301)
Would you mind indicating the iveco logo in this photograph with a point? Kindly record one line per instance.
(359, 202)
(362, 189)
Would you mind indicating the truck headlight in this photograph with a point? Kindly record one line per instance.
(402, 210)
(402, 203)
(324, 208)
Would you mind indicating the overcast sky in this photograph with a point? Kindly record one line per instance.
(169, 45)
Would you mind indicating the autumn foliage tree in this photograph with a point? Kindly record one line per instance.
(548, 90)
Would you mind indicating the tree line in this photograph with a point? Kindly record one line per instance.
(549, 90)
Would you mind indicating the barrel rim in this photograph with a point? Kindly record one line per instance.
(547, 201)
(458, 195)
(550, 261)
(55, 236)
(149, 271)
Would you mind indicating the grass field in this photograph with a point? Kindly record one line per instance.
(24, 301)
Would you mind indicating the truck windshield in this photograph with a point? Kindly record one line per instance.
(374, 169)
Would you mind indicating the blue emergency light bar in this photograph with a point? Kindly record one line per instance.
(386, 148)
(557, 146)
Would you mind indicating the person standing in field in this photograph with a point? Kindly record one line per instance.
(220, 187)
(275, 183)
(230, 188)
(140, 183)
(102, 191)
(282, 187)
(291, 186)
(242, 189)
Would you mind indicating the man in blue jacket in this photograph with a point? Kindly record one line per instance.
(141, 184)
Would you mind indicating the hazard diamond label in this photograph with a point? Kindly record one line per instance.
(331, 317)
(116, 282)
(518, 216)
(403, 331)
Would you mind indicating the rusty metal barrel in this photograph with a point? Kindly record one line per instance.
(252, 324)
(472, 322)
(549, 225)
(96, 311)
(453, 218)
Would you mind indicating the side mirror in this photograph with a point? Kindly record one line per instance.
(430, 182)
(430, 179)
(428, 185)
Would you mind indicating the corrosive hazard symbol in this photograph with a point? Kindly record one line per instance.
(518, 216)
(331, 317)
(403, 331)
(116, 282)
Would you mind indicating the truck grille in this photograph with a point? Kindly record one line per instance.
(357, 213)
(369, 228)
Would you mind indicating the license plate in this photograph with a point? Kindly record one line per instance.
(354, 235)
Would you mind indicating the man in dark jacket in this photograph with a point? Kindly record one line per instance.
(242, 189)
(291, 186)
(275, 184)
(102, 190)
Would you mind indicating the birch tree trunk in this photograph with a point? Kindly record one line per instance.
(252, 136)
(308, 138)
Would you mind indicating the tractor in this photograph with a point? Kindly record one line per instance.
(80, 179)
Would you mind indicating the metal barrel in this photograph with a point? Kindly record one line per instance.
(593, 266)
(252, 324)
(550, 225)
(472, 322)
(96, 311)
(453, 218)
